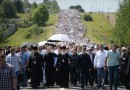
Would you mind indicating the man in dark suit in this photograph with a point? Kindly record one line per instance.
(91, 73)
(126, 57)
(84, 64)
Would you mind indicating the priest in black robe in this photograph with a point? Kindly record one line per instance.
(63, 67)
(35, 67)
(49, 67)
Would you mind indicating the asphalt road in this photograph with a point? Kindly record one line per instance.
(70, 88)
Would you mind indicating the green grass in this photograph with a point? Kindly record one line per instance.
(19, 36)
(95, 32)
(52, 19)
(23, 15)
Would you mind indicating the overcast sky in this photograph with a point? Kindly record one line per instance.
(89, 5)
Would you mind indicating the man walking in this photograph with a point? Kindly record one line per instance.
(8, 80)
(112, 62)
(127, 68)
(15, 60)
(35, 66)
(84, 63)
(99, 63)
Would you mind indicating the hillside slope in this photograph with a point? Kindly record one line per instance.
(98, 30)
(19, 36)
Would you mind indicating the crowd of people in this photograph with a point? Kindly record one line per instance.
(70, 64)
(64, 66)
(69, 23)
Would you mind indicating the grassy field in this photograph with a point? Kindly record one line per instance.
(23, 15)
(19, 36)
(98, 30)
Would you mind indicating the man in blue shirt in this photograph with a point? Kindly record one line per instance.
(112, 63)
(24, 60)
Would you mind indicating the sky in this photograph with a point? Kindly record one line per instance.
(89, 5)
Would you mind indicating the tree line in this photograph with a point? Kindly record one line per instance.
(121, 30)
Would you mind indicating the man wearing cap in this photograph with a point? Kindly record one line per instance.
(35, 65)
(8, 80)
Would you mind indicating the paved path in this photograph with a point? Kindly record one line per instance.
(70, 88)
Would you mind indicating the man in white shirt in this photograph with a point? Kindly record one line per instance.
(99, 63)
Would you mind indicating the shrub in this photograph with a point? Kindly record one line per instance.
(35, 29)
(28, 35)
(87, 17)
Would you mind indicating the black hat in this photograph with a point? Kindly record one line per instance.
(63, 47)
(24, 46)
(52, 45)
(35, 47)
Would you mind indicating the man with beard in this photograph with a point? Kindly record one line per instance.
(35, 66)
(49, 67)
(126, 57)
(63, 64)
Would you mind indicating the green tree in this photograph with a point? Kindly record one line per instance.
(26, 4)
(40, 15)
(78, 7)
(52, 6)
(46, 1)
(9, 9)
(72, 7)
(1, 1)
(2, 29)
(121, 31)
(34, 6)
(19, 6)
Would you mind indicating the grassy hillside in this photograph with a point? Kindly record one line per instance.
(98, 30)
(19, 36)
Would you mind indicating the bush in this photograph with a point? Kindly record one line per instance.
(35, 29)
(28, 35)
(87, 17)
